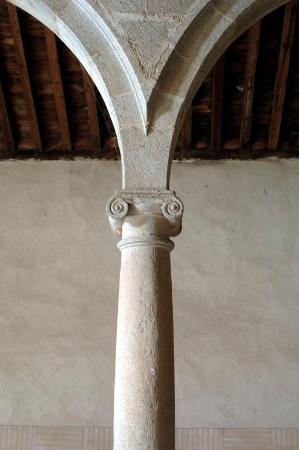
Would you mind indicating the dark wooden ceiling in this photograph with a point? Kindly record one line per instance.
(247, 108)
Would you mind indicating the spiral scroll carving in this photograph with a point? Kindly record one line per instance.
(145, 212)
(173, 208)
(117, 208)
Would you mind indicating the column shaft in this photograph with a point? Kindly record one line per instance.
(144, 406)
(144, 382)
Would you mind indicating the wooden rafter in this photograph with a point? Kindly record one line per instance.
(72, 105)
(61, 110)
(93, 120)
(282, 73)
(217, 103)
(4, 117)
(24, 76)
(250, 71)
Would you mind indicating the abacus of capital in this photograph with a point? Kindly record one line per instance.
(144, 404)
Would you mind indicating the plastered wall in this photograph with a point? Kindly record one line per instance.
(236, 294)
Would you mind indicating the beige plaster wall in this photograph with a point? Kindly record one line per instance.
(236, 285)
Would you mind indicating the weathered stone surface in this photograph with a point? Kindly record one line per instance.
(149, 40)
(169, 8)
(144, 410)
(160, 52)
(148, 59)
(124, 6)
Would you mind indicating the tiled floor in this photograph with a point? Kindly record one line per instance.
(72, 438)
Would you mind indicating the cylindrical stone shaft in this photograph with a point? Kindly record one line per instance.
(144, 380)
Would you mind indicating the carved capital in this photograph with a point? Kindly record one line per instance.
(153, 213)
(172, 208)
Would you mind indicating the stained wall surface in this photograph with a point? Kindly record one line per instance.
(236, 285)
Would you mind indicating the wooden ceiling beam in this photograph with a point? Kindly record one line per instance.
(249, 82)
(93, 120)
(24, 76)
(4, 117)
(286, 43)
(61, 111)
(217, 104)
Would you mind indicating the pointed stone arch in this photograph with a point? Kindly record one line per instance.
(207, 31)
(92, 40)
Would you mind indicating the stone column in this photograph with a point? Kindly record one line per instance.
(144, 380)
